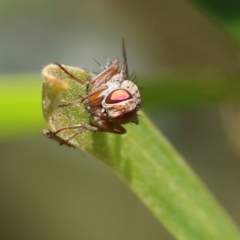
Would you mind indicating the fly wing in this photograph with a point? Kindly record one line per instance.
(93, 98)
(105, 75)
(124, 71)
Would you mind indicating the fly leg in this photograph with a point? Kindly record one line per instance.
(71, 103)
(107, 126)
(70, 75)
(54, 136)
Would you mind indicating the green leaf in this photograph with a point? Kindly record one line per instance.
(148, 164)
(21, 110)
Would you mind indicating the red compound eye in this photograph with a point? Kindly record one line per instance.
(118, 96)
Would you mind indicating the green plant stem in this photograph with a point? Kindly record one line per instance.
(149, 165)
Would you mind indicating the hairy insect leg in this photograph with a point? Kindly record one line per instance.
(99, 64)
(49, 134)
(70, 75)
(103, 126)
(83, 126)
(71, 103)
(109, 62)
(73, 135)
(53, 135)
(118, 129)
(106, 126)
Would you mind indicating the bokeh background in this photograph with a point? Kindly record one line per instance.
(52, 192)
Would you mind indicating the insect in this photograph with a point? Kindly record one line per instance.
(112, 100)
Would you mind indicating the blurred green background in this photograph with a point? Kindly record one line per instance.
(186, 56)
